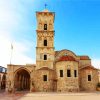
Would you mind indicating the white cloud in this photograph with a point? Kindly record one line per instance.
(8, 15)
(19, 51)
(4, 48)
(96, 63)
(10, 19)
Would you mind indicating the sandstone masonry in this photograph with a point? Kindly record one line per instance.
(58, 71)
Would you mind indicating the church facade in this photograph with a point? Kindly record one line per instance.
(58, 71)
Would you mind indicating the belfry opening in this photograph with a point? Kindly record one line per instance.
(22, 80)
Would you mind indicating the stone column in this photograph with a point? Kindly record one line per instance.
(22, 82)
(25, 82)
(19, 82)
(15, 81)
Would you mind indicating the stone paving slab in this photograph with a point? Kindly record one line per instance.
(7, 96)
(61, 96)
(50, 96)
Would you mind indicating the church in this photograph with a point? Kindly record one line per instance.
(54, 71)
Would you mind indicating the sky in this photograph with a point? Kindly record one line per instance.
(77, 28)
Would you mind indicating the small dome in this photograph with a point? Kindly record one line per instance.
(66, 58)
(45, 10)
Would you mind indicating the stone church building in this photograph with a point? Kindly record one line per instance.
(58, 71)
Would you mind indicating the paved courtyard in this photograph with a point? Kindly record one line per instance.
(49, 96)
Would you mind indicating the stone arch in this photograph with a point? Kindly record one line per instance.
(22, 79)
(21, 69)
(65, 52)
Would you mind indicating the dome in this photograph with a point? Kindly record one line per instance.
(45, 10)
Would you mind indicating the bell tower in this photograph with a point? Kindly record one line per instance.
(45, 39)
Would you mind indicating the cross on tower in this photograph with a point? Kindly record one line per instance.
(45, 6)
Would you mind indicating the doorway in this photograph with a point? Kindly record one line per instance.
(22, 80)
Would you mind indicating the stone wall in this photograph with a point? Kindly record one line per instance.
(83, 63)
(47, 18)
(41, 85)
(67, 83)
(84, 83)
(99, 75)
(11, 74)
(54, 81)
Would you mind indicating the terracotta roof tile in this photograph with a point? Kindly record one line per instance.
(88, 67)
(84, 58)
(66, 58)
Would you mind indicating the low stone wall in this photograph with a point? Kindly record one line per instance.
(88, 85)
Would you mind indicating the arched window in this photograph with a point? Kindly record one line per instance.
(68, 73)
(45, 26)
(75, 73)
(61, 73)
(45, 42)
(89, 77)
(45, 57)
(44, 77)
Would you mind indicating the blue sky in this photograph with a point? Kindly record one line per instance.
(77, 28)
